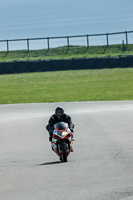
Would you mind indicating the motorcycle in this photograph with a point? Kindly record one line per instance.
(62, 140)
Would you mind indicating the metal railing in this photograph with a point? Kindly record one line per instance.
(67, 39)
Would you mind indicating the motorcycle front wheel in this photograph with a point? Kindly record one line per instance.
(64, 152)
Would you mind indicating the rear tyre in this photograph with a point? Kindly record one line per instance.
(64, 152)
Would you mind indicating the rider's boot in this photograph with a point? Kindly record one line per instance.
(72, 150)
(52, 146)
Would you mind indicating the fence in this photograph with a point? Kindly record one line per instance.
(67, 38)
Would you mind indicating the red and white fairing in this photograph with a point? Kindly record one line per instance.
(62, 136)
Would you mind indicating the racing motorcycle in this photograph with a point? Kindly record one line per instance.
(62, 140)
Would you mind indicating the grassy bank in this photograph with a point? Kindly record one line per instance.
(80, 85)
(64, 53)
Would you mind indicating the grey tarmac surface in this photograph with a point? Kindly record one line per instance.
(100, 168)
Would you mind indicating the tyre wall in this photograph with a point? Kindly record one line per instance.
(71, 64)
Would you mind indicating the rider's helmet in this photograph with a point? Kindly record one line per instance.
(59, 112)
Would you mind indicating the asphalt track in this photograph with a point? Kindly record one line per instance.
(100, 168)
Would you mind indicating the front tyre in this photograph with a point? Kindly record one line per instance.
(64, 152)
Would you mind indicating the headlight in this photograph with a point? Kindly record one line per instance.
(64, 133)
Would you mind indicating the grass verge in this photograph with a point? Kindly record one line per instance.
(65, 53)
(66, 86)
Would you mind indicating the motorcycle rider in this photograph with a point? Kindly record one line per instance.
(59, 116)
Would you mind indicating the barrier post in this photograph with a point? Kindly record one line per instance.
(7, 46)
(68, 42)
(48, 43)
(126, 37)
(28, 44)
(107, 38)
(87, 40)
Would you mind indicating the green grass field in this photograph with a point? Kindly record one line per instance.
(66, 86)
(64, 53)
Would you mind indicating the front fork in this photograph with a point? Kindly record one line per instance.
(56, 147)
(59, 147)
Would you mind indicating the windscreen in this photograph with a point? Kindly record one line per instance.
(61, 125)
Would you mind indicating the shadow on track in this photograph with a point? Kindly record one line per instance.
(51, 163)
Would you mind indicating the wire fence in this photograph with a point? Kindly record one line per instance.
(81, 40)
